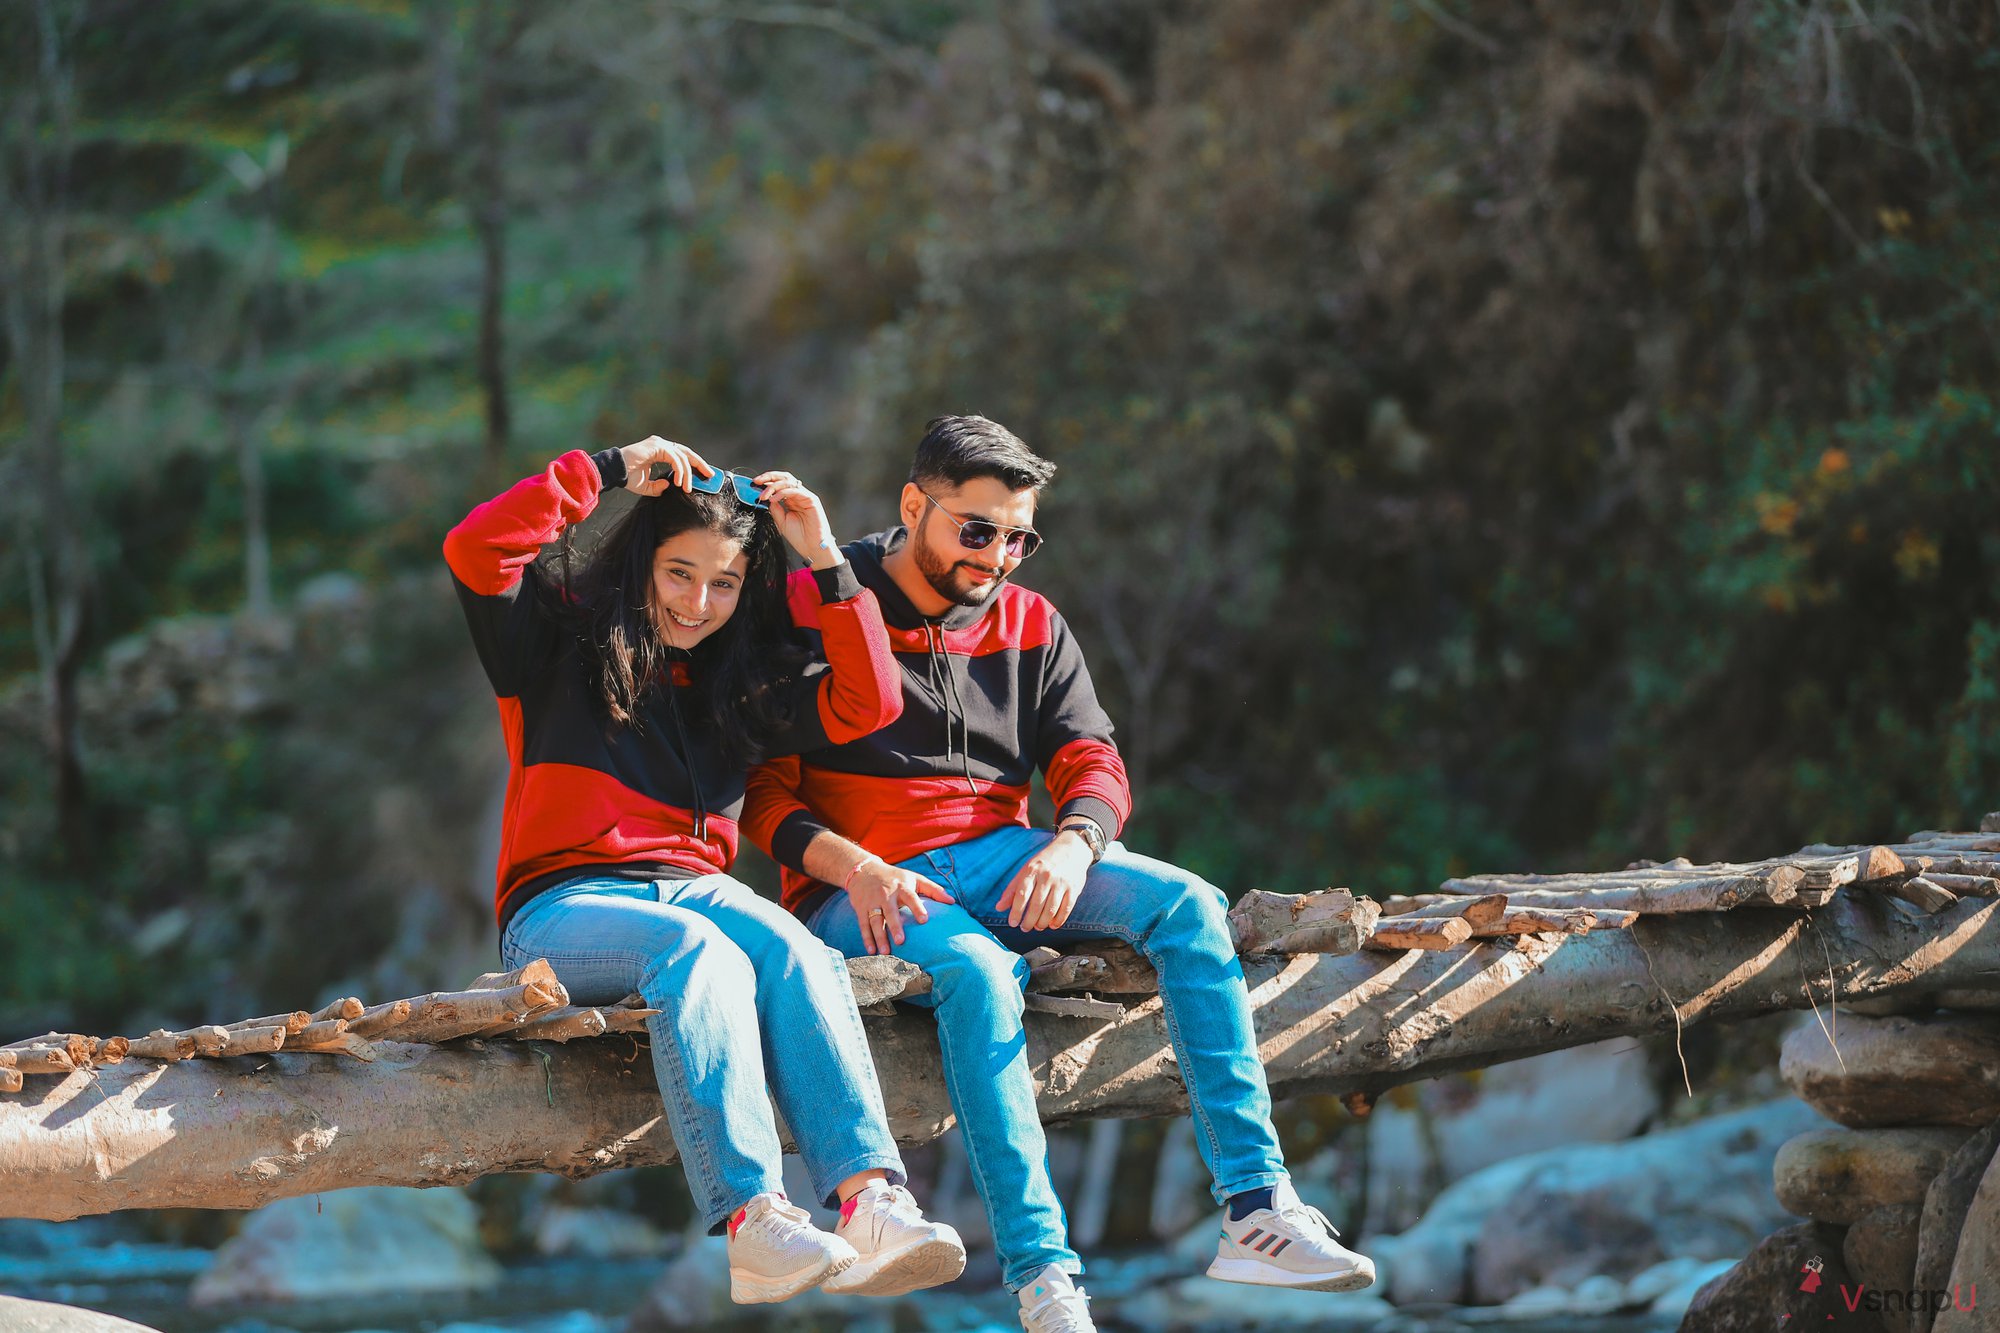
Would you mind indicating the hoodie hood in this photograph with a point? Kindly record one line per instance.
(866, 556)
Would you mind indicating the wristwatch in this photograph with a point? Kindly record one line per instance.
(1091, 833)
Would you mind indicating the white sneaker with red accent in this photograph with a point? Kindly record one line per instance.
(901, 1250)
(775, 1252)
(1289, 1244)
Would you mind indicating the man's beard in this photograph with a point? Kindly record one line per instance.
(942, 574)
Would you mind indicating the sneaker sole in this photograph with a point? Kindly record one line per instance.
(747, 1288)
(1255, 1273)
(929, 1262)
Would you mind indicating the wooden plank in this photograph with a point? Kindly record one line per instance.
(1422, 932)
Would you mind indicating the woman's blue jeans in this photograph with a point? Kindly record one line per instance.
(747, 998)
(1176, 920)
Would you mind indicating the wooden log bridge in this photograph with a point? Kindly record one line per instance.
(1350, 997)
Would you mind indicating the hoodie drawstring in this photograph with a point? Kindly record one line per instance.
(687, 758)
(947, 695)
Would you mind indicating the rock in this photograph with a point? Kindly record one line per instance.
(1551, 1238)
(1667, 1289)
(693, 1292)
(1768, 1289)
(1945, 1206)
(1601, 1093)
(1836, 1175)
(1718, 1212)
(1880, 1250)
(23, 1316)
(594, 1233)
(350, 1243)
(1899, 1070)
(1978, 1258)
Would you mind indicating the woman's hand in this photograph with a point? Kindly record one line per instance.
(880, 892)
(801, 518)
(640, 458)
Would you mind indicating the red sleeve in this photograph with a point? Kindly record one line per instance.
(1087, 777)
(771, 796)
(863, 690)
(492, 545)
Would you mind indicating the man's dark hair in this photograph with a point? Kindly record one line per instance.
(954, 450)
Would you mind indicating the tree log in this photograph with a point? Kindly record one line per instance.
(1420, 932)
(201, 1134)
(1658, 891)
(348, 1009)
(446, 1015)
(1330, 921)
(1920, 893)
(379, 1018)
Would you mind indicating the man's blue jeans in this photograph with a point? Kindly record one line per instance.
(1175, 920)
(746, 995)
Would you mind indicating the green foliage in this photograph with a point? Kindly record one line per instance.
(1557, 448)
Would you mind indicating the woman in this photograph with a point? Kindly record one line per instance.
(635, 692)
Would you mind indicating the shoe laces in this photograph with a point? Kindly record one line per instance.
(1071, 1312)
(779, 1217)
(1307, 1218)
(899, 1204)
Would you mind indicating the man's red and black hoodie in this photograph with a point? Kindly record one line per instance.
(585, 794)
(990, 694)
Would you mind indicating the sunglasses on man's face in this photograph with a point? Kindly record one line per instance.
(976, 534)
(712, 484)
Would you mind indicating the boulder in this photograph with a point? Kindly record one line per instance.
(1880, 1249)
(1791, 1280)
(693, 1292)
(1667, 1289)
(1514, 1226)
(1836, 1175)
(595, 1233)
(1548, 1239)
(1899, 1070)
(349, 1243)
(1945, 1205)
(1978, 1258)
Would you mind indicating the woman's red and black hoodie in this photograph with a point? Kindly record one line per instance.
(586, 794)
(991, 693)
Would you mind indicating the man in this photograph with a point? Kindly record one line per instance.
(916, 839)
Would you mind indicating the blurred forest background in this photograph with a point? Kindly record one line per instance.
(1512, 436)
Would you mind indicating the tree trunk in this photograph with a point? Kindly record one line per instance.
(198, 1133)
(39, 116)
(498, 28)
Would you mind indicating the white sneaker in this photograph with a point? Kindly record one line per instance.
(775, 1252)
(900, 1249)
(1053, 1303)
(1289, 1244)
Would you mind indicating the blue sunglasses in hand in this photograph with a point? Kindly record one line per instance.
(712, 484)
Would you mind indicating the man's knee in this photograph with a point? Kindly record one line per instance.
(977, 970)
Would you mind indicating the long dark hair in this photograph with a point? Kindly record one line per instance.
(732, 674)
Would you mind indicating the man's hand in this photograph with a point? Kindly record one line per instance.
(880, 892)
(1044, 891)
